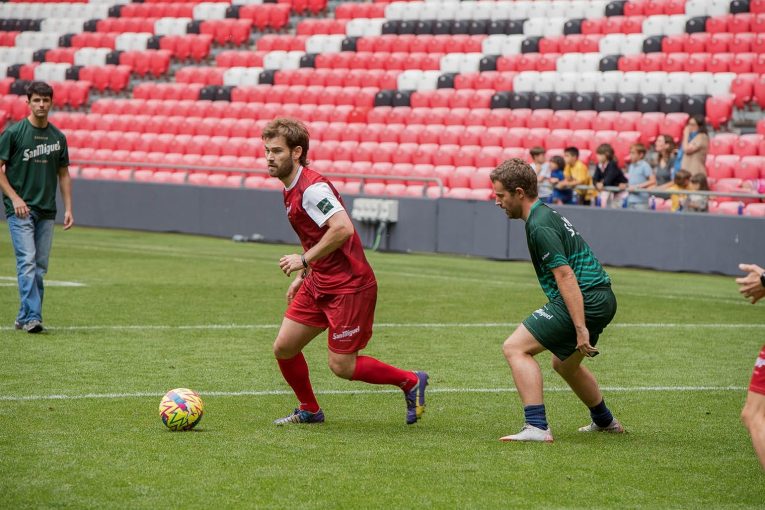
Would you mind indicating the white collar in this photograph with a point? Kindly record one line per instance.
(295, 180)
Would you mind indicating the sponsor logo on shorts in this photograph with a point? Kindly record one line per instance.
(759, 363)
(345, 336)
(541, 312)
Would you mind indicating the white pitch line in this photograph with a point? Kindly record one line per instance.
(11, 281)
(422, 325)
(266, 393)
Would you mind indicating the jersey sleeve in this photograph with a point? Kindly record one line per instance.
(320, 203)
(549, 248)
(5, 145)
(64, 157)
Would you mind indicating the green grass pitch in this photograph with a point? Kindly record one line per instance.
(163, 311)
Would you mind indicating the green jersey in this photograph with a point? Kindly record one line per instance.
(32, 158)
(553, 242)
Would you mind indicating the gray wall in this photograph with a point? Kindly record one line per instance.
(665, 241)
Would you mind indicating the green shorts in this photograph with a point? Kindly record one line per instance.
(551, 325)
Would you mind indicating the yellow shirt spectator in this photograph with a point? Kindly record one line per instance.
(581, 174)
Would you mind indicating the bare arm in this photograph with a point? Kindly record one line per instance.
(339, 231)
(65, 181)
(572, 296)
(19, 206)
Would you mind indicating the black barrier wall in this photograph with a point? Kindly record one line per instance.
(665, 241)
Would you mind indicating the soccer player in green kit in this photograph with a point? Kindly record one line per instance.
(36, 159)
(581, 304)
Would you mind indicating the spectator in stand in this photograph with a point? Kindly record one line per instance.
(608, 174)
(561, 193)
(577, 174)
(695, 145)
(682, 181)
(542, 169)
(696, 202)
(664, 164)
(639, 176)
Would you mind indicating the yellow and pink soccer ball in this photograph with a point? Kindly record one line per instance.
(181, 409)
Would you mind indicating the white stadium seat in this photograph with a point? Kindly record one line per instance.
(675, 83)
(610, 82)
(525, 81)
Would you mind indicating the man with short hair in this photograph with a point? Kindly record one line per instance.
(580, 306)
(335, 287)
(36, 159)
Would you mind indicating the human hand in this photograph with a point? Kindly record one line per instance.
(291, 263)
(751, 285)
(68, 220)
(583, 342)
(20, 207)
(293, 289)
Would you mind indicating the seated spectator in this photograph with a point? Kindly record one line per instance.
(682, 181)
(577, 174)
(695, 202)
(664, 164)
(608, 174)
(562, 194)
(639, 176)
(692, 155)
(542, 169)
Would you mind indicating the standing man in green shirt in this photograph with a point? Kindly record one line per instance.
(36, 158)
(580, 306)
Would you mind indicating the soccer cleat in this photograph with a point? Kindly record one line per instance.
(530, 433)
(614, 428)
(18, 325)
(33, 326)
(415, 398)
(301, 416)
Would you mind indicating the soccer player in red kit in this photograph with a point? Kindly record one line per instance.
(752, 286)
(335, 287)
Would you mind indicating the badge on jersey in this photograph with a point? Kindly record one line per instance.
(325, 206)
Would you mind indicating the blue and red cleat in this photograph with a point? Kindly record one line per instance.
(415, 399)
(301, 416)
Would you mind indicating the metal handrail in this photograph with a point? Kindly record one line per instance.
(202, 168)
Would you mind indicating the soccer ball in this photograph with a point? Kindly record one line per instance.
(181, 409)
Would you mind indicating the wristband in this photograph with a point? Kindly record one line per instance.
(305, 264)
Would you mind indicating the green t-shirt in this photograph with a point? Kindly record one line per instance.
(32, 158)
(553, 242)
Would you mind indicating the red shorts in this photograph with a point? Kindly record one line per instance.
(349, 317)
(758, 376)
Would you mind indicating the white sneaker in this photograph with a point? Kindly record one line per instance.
(614, 428)
(530, 433)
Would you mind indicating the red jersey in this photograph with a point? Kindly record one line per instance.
(310, 201)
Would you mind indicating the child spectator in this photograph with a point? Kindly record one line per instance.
(561, 193)
(542, 169)
(639, 176)
(607, 174)
(696, 202)
(577, 174)
(664, 165)
(682, 181)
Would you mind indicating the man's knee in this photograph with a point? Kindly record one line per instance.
(282, 350)
(342, 366)
(753, 413)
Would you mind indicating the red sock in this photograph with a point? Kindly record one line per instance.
(295, 372)
(374, 371)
